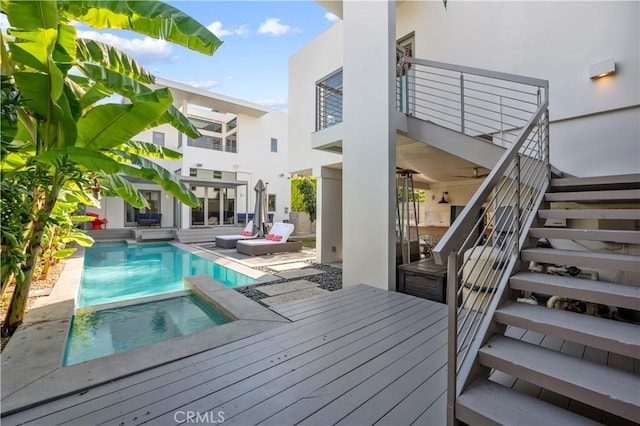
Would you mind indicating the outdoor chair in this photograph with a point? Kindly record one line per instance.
(275, 242)
(230, 241)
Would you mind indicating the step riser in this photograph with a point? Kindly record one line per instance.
(583, 394)
(600, 342)
(623, 237)
(629, 181)
(594, 196)
(615, 214)
(583, 259)
(600, 295)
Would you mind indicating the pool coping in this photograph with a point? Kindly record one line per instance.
(32, 371)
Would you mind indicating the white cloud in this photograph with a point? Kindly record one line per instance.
(273, 26)
(146, 50)
(331, 17)
(204, 84)
(217, 29)
(281, 104)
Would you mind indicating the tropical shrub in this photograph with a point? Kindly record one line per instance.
(60, 134)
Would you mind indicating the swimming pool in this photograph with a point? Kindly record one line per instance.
(95, 334)
(116, 272)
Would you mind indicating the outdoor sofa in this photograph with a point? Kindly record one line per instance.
(149, 219)
(275, 242)
(229, 241)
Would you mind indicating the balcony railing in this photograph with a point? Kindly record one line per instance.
(329, 101)
(489, 105)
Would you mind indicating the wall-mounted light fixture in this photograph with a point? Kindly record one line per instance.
(602, 69)
(444, 199)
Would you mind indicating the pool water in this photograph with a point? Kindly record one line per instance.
(109, 331)
(117, 272)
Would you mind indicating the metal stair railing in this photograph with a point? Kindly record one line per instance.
(489, 105)
(482, 247)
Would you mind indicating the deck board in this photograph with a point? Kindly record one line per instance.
(352, 337)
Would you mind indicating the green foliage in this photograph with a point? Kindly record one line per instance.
(297, 203)
(57, 142)
(308, 191)
(418, 196)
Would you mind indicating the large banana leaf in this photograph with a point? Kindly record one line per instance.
(151, 150)
(151, 171)
(113, 59)
(107, 126)
(152, 18)
(121, 84)
(116, 184)
(90, 159)
(31, 14)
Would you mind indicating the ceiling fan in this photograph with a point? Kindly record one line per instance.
(476, 174)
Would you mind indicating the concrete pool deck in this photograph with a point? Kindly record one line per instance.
(32, 371)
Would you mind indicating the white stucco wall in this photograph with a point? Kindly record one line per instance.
(252, 161)
(556, 41)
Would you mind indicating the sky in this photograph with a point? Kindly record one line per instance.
(252, 63)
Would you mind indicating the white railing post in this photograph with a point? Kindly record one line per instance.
(452, 343)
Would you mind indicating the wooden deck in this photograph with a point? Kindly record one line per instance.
(356, 356)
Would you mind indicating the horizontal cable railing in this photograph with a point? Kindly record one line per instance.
(482, 247)
(489, 105)
(329, 101)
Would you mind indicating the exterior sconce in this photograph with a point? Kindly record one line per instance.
(444, 199)
(602, 69)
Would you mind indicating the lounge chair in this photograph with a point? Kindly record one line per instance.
(275, 242)
(229, 241)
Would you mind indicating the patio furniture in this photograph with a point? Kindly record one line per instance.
(96, 223)
(230, 241)
(149, 219)
(275, 242)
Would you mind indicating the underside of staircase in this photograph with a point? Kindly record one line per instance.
(585, 365)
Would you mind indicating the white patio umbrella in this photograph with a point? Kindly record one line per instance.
(260, 212)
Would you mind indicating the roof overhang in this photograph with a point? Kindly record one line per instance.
(220, 103)
(210, 182)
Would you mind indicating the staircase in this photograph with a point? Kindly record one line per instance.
(587, 365)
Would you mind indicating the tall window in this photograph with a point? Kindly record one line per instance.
(274, 145)
(329, 101)
(271, 203)
(232, 143)
(158, 138)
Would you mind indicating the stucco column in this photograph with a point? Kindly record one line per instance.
(368, 145)
(329, 217)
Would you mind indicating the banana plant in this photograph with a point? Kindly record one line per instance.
(63, 131)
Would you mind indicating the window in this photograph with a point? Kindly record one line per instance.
(232, 124)
(207, 142)
(131, 213)
(232, 143)
(271, 203)
(329, 101)
(274, 145)
(179, 140)
(158, 138)
(202, 124)
(212, 174)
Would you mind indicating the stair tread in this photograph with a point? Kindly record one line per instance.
(506, 406)
(604, 292)
(597, 182)
(602, 195)
(609, 235)
(609, 335)
(607, 388)
(624, 214)
(591, 259)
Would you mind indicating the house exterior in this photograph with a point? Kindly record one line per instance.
(350, 134)
(241, 143)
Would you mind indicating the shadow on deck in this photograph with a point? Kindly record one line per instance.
(356, 356)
